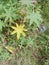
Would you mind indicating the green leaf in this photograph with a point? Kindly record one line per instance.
(30, 41)
(1, 25)
(34, 17)
(9, 14)
(26, 2)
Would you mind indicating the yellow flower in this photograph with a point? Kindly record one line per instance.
(19, 29)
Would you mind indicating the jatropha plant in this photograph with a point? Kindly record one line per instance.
(22, 13)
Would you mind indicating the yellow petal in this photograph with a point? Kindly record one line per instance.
(25, 29)
(13, 27)
(13, 32)
(18, 35)
(16, 24)
(23, 34)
